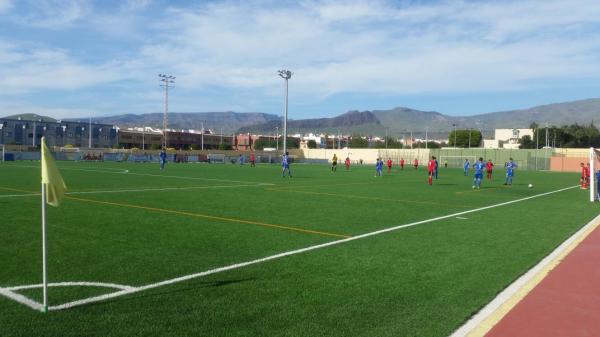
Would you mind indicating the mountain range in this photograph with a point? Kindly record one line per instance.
(377, 122)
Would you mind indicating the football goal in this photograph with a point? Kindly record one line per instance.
(594, 174)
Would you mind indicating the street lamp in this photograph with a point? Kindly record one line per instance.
(286, 75)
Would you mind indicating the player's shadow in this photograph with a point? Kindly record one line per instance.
(198, 285)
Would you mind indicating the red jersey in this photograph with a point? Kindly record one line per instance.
(489, 166)
(585, 172)
(431, 166)
(389, 163)
(402, 162)
(416, 163)
(252, 157)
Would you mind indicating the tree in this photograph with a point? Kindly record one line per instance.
(526, 142)
(357, 142)
(312, 144)
(224, 147)
(462, 138)
(261, 143)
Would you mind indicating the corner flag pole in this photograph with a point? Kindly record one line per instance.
(44, 250)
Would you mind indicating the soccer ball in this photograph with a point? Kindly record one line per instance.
(126, 171)
(473, 186)
(530, 185)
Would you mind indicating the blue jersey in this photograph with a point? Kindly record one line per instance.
(466, 166)
(510, 166)
(478, 167)
(379, 165)
(162, 156)
(284, 161)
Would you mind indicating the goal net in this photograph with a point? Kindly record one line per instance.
(594, 174)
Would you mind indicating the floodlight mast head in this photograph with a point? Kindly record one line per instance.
(286, 74)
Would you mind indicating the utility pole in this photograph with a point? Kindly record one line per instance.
(167, 81)
(90, 135)
(286, 75)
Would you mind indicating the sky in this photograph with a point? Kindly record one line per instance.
(81, 58)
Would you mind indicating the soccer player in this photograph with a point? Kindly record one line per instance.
(416, 163)
(435, 170)
(585, 176)
(285, 165)
(389, 165)
(334, 163)
(162, 158)
(252, 160)
(478, 168)
(445, 163)
(347, 163)
(488, 168)
(431, 170)
(378, 167)
(510, 167)
(402, 163)
(466, 167)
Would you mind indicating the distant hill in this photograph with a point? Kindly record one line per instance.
(228, 121)
(32, 117)
(402, 120)
(397, 121)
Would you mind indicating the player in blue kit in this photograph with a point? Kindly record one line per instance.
(162, 158)
(478, 167)
(510, 167)
(378, 167)
(285, 165)
(466, 167)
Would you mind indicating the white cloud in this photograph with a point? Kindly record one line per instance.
(5, 6)
(55, 14)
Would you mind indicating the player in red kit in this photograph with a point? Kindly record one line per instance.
(585, 176)
(430, 169)
(389, 165)
(402, 163)
(252, 160)
(347, 163)
(488, 167)
(416, 164)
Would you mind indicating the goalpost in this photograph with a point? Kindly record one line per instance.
(594, 174)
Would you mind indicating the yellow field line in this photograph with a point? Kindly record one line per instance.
(364, 198)
(205, 216)
(198, 215)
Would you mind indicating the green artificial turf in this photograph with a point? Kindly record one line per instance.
(145, 226)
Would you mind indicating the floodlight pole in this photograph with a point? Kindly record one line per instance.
(286, 75)
(90, 135)
(277, 138)
(202, 138)
(167, 82)
(454, 125)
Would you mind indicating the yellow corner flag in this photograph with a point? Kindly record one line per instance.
(55, 186)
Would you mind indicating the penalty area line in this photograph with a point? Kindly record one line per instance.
(285, 254)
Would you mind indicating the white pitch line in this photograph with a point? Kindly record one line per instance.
(289, 253)
(21, 299)
(124, 171)
(74, 284)
(18, 195)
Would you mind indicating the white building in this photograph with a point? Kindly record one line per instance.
(506, 138)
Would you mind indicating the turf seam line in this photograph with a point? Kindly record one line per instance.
(475, 325)
(285, 254)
